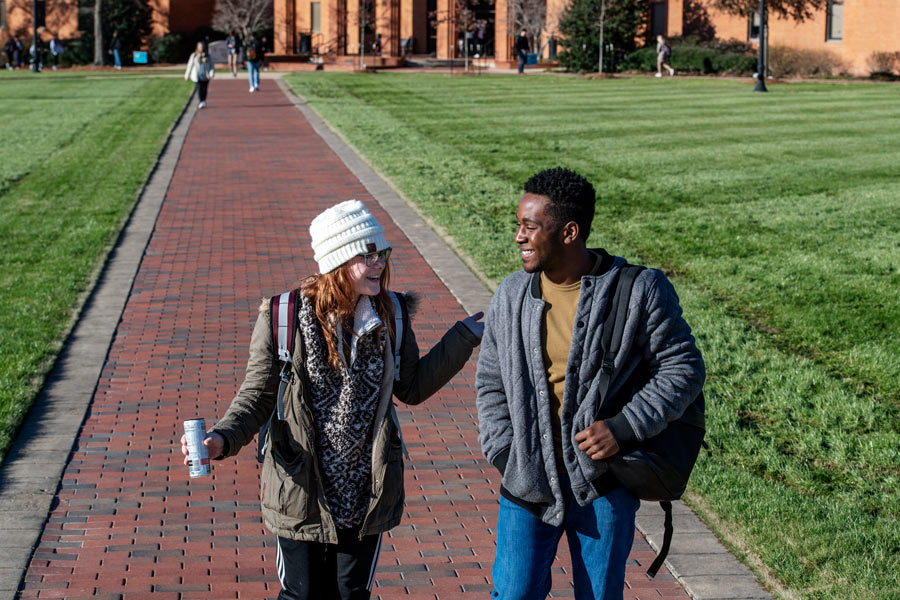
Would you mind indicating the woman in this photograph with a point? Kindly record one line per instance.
(233, 42)
(200, 70)
(332, 477)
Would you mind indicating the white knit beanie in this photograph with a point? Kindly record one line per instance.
(344, 231)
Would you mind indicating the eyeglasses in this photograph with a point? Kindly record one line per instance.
(373, 258)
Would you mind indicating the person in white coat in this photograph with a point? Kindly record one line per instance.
(200, 70)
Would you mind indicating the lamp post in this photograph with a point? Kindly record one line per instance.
(761, 67)
(34, 37)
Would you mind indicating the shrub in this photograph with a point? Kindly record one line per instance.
(785, 61)
(884, 63)
(78, 51)
(171, 48)
(693, 59)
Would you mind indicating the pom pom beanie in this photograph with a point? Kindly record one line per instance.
(344, 231)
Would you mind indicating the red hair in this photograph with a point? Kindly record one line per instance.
(332, 297)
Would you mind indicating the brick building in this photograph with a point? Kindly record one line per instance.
(851, 29)
(60, 17)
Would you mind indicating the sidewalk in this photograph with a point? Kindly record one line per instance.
(126, 521)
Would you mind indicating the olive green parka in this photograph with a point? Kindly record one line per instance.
(291, 488)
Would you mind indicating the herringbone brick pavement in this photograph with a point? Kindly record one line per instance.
(129, 524)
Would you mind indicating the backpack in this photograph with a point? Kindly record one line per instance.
(284, 326)
(658, 468)
(251, 53)
(667, 50)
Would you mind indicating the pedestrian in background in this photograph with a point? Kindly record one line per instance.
(115, 48)
(200, 70)
(233, 42)
(37, 53)
(663, 55)
(56, 49)
(10, 49)
(522, 50)
(332, 476)
(253, 60)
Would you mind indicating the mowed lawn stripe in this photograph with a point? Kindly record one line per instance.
(64, 210)
(777, 214)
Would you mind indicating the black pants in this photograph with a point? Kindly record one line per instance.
(201, 89)
(315, 571)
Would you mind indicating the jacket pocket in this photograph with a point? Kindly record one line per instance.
(286, 479)
(387, 487)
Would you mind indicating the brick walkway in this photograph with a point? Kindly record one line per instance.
(129, 523)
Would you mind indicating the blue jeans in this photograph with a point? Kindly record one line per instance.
(523, 58)
(599, 536)
(117, 58)
(253, 71)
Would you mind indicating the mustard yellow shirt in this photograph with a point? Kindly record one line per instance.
(556, 342)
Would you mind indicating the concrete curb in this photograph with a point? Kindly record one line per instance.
(32, 472)
(697, 559)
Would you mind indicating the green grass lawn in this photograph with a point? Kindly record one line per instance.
(76, 153)
(778, 217)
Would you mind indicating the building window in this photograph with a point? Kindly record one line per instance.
(835, 23)
(315, 17)
(753, 26)
(2, 14)
(658, 19)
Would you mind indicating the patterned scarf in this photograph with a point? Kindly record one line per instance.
(343, 407)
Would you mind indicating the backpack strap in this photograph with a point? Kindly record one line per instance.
(667, 540)
(283, 309)
(401, 318)
(611, 343)
(614, 324)
(284, 319)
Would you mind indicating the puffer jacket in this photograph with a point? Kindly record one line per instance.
(292, 492)
(658, 373)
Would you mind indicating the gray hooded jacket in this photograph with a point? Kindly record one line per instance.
(658, 374)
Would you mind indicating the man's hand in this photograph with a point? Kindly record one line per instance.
(214, 443)
(597, 441)
(473, 322)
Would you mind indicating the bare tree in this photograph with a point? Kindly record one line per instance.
(530, 15)
(793, 9)
(242, 15)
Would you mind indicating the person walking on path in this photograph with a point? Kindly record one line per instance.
(56, 50)
(663, 55)
(115, 48)
(254, 60)
(332, 477)
(200, 70)
(233, 42)
(537, 377)
(522, 50)
(10, 48)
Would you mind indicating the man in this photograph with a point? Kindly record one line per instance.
(539, 419)
(115, 48)
(522, 50)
